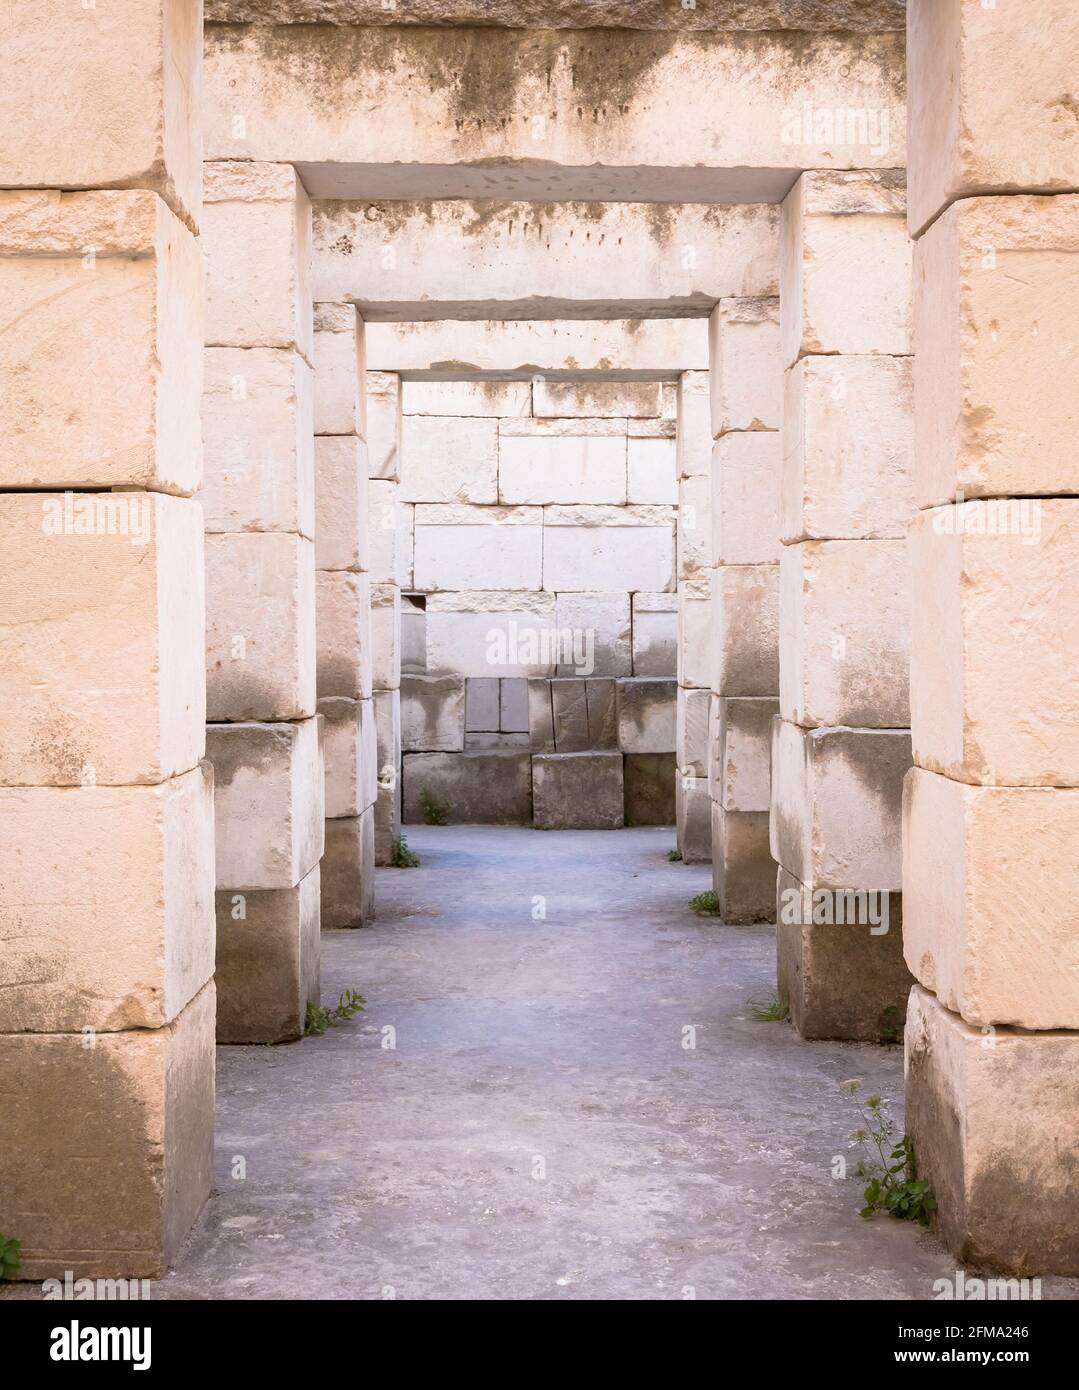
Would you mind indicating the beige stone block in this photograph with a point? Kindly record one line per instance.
(406, 545)
(384, 424)
(744, 499)
(339, 362)
(996, 380)
(746, 374)
(387, 818)
(342, 523)
(647, 714)
(513, 705)
(691, 731)
(385, 636)
(577, 791)
(101, 640)
(448, 459)
(844, 630)
(269, 802)
(845, 265)
(595, 634)
(836, 805)
(488, 787)
(561, 461)
(101, 293)
(465, 547)
(487, 399)
(693, 820)
(848, 445)
(652, 469)
(256, 240)
(650, 796)
(348, 871)
(989, 1117)
(268, 950)
(990, 884)
(745, 617)
(715, 748)
(569, 705)
(258, 447)
(744, 752)
(988, 104)
(743, 871)
(483, 711)
(432, 714)
(105, 95)
(655, 634)
(141, 1102)
(385, 531)
(540, 715)
(584, 546)
(596, 400)
(694, 530)
(492, 633)
(107, 919)
(346, 653)
(696, 633)
(350, 754)
(693, 439)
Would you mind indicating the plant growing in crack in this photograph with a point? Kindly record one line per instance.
(319, 1019)
(401, 857)
(435, 810)
(774, 1010)
(705, 904)
(674, 856)
(886, 1167)
(9, 1257)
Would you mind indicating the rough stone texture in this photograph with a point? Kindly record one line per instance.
(693, 819)
(463, 547)
(562, 461)
(693, 434)
(601, 621)
(691, 730)
(346, 645)
(577, 791)
(744, 752)
(696, 632)
(479, 788)
(965, 940)
(85, 942)
(502, 631)
(647, 714)
(448, 459)
(617, 400)
(745, 608)
(387, 825)
(142, 1103)
(540, 716)
(350, 753)
(569, 704)
(348, 871)
(746, 373)
(432, 714)
(102, 638)
(652, 466)
(342, 525)
(482, 711)
(513, 706)
(743, 871)
(988, 1115)
(694, 529)
(655, 634)
(745, 498)
(339, 362)
(384, 531)
(386, 636)
(839, 980)
(267, 962)
(103, 377)
(383, 423)
(477, 398)
(650, 780)
(269, 802)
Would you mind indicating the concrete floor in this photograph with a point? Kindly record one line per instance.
(539, 1131)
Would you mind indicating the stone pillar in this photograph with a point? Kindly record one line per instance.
(343, 591)
(744, 545)
(106, 807)
(991, 806)
(841, 742)
(259, 504)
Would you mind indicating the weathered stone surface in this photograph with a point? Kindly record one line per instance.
(583, 546)
(647, 714)
(406, 545)
(745, 613)
(492, 632)
(693, 819)
(432, 714)
(387, 826)
(691, 731)
(596, 634)
(744, 735)
(269, 802)
(570, 707)
(385, 533)
(746, 373)
(142, 1102)
(104, 373)
(650, 788)
(485, 741)
(413, 637)
(694, 531)
(601, 703)
(540, 716)
(464, 547)
(743, 871)
(482, 711)
(840, 979)
(652, 467)
(655, 634)
(385, 636)
(478, 398)
(595, 400)
(267, 962)
(348, 871)
(693, 411)
(350, 755)
(260, 626)
(101, 639)
(563, 461)
(986, 1114)
(744, 491)
(345, 646)
(449, 459)
(383, 423)
(696, 632)
(513, 705)
(340, 362)
(479, 788)
(342, 524)
(577, 791)
(145, 947)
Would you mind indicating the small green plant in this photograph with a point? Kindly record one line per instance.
(774, 1010)
(891, 1025)
(401, 856)
(9, 1257)
(435, 811)
(887, 1168)
(628, 823)
(319, 1019)
(674, 856)
(705, 904)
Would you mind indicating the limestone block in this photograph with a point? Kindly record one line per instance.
(449, 459)
(650, 780)
(565, 461)
(385, 636)
(691, 731)
(844, 628)
(385, 532)
(836, 805)
(693, 820)
(655, 634)
(413, 637)
(746, 373)
(994, 313)
(142, 1102)
(432, 714)
(488, 399)
(669, 397)
(260, 626)
(577, 791)
(256, 240)
(540, 715)
(695, 523)
(594, 634)
(513, 705)
(839, 965)
(258, 446)
(974, 132)
(995, 639)
(696, 633)
(694, 430)
(479, 788)
(845, 265)
(406, 545)
(478, 741)
(342, 524)
(652, 469)
(745, 616)
(269, 802)
(964, 939)
(348, 871)
(595, 400)
(105, 946)
(848, 441)
(569, 703)
(502, 632)
(384, 424)
(743, 871)
(346, 646)
(584, 546)
(601, 704)
(268, 949)
(103, 377)
(715, 748)
(350, 754)
(987, 1115)
(387, 819)
(744, 491)
(101, 638)
(647, 714)
(339, 362)
(744, 736)
(482, 704)
(465, 547)
(123, 86)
